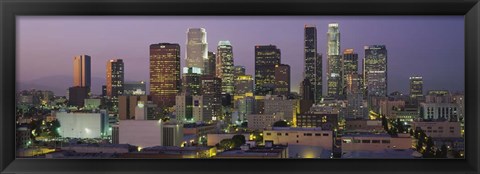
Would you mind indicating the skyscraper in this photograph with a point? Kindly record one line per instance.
(164, 73)
(212, 97)
(354, 96)
(210, 64)
(244, 85)
(350, 65)
(334, 67)
(191, 80)
(375, 70)
(282, 79)
(416, 87)
(313, 62)
(197, 48)
(238, 71)
(225, 66)
(82, 71)
(115, 78)
(266, 57)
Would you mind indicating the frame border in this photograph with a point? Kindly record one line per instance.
(9, 9)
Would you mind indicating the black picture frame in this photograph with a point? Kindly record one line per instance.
(9, 9)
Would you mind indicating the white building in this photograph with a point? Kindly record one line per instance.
(148, 133)
(300, 136)
(434, 111)
(197, 48)
(83, 125)
(189, 108)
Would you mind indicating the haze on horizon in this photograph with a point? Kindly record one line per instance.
(428, 46)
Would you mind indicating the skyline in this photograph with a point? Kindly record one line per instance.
(115, 40)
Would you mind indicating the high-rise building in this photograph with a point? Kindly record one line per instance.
(197, 48)
(238, 71)
(77, 95)
(115, 79)
(210, 64)
(82, 71)
(164, 73)
(244, 85)
(334, 67)
(416, 87)
(225, 66)
(188, 108)
(191, 80)
(354, 94)
(212, 97)
(127, 105)
(282, 79)
(375, 70)
(313, 62)
(350, 66)
(266, 57)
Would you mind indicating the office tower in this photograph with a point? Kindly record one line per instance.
(127, 105)
(416, 87)
(191, 80)
(375, 70)
(104, 90)
(313, 62)
(238, 71)
(306, 90)
(77, 95)
(115, 79)
(334, 67)
(210, 64)
(135, 88)
(82, 71)
(197, 48)
(225, 66)
(282, 79)
(164, 73)
(354, 95)
(244, 85)
(171, 134)
(212, 97)
(266, 57)
(350, 65)
(189, 108)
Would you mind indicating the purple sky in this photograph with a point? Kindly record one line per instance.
(429, 46)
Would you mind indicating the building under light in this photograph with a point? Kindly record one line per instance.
(197, 48)
(375, 70)
(313, 62)
(282, 79)
(266, 57)
(164, 73)
(416, 87)
(334, 67)
(225, 66)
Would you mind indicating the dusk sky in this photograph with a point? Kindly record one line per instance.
(429, 46)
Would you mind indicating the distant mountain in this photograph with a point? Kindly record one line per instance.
(59, 84)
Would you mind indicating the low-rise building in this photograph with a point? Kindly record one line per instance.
(274, 151)
(325, 121)
(83, 125)
(172, 152)
(439, 129)
(300, 136)
(149, 133)
(374, 142)
(364, 125)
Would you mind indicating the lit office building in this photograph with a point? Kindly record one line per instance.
(164, 73)
(244, 85)
(313, 62)
(354, 93)
(350, 65)
(197, 48)
(334, 66)
(224, 66)
(212, 97)
(266, 57)
(210, 64)
(191, 80)
(189, 108)
(416, 87)
(115, 79)
(282, 79)
(375, 70)
(238, 71)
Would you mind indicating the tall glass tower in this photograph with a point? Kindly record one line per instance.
(375, 70)
(334, 67)
(313, 62)
(225, 66)
(197, 48)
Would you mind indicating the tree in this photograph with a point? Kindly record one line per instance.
(429, 153)
(411, 132)
(244, 124)
(444, 151)
(227, 144)
(281, 123)
(400, 127)
(384, 123)
(238, 140)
